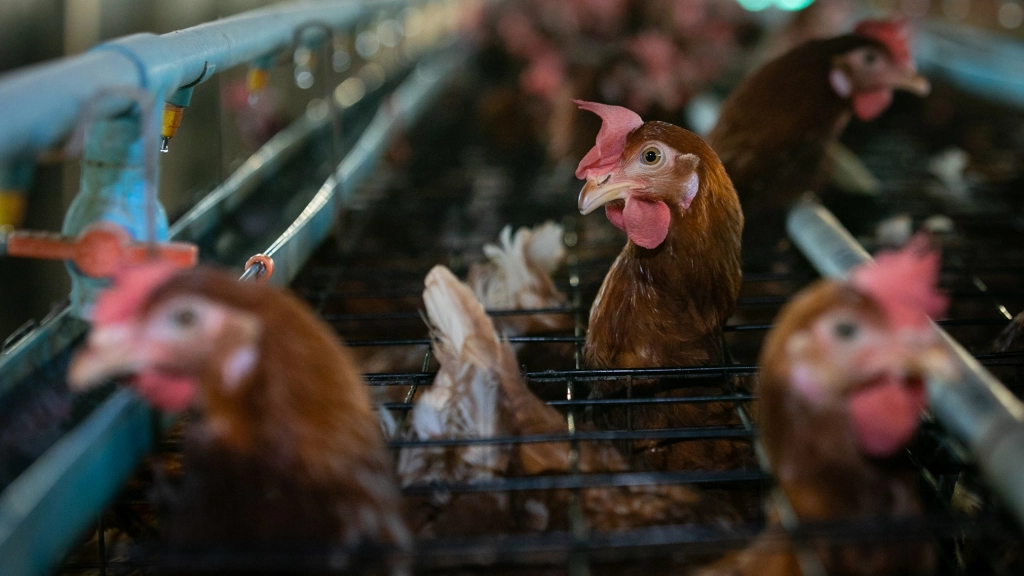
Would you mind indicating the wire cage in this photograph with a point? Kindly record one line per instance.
(452, 193)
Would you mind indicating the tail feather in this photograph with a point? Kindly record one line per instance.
(464, 400)
(517, 276)
(479, 393)
(455, 314)
(519, 268)
(546, 249)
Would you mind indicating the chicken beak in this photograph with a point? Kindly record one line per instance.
(107, 355)
(601, 190)
(909, 80)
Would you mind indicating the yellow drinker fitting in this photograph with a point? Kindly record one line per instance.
(12, 208)
(172, 119)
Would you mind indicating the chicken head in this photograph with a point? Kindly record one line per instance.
(643, 174)
(166, 347)
(868, 75)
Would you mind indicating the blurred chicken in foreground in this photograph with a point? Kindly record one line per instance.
(841, 395)
(670, 291)
(479, 393)
(285, 453)
(775, 129)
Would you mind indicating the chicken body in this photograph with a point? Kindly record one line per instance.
(671, 289)
(775, 129)
(679, 274)
(284, 455)
(479, 393)
(841, 392)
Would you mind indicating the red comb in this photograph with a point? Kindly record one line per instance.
(616, 124)
(130, 289)
(903, 283)
(893, 34)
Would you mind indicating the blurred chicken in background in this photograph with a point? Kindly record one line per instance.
(651, 56)
(775, 130)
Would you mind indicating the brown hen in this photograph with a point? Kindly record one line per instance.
(284, 455)
(775, 129)
(479, 393)
(841, 394)
(670, 291)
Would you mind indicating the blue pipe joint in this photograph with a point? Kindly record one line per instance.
(112, 189)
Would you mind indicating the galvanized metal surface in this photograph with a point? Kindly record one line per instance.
(976, 407)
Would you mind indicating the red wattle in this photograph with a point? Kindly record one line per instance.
(870, 105)
(886, 415)
(646, 222)
(613, 212)
(165, 392)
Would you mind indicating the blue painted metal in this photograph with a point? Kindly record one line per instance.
(114, 189)
(38, 348)
(40, 104)
(58, 497)
(976, 407)
(42, 513)
(978, 61)
(16, 174)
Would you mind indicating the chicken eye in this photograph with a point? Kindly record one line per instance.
(846, 330)
(870, 57)
(651, 156)
(184, 318)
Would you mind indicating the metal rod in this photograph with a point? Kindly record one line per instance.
(41, 103)
(977, 408)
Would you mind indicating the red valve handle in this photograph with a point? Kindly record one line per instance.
(100, 251)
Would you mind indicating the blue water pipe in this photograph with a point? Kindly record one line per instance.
(109, 93)
(41, 103)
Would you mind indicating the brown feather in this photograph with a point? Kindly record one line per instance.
(824, 475)
(774, 131)
(666, 307)
(295, 456)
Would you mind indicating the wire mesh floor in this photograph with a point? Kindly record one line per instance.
(442, 203)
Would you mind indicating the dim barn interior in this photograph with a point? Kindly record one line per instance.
(715, 287)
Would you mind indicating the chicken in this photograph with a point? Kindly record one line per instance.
(479, 393)
(516, 276)
(284, 453)
(679, 273)
(666, 297)
(776, 128)
(841, 393)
